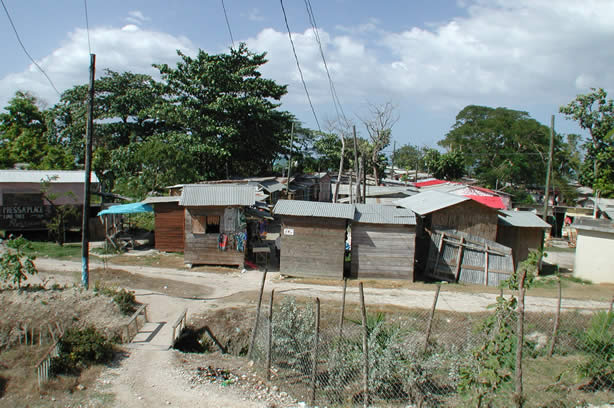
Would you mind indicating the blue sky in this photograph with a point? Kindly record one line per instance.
(429, 58)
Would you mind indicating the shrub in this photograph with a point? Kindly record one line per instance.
(124, 299)
(80, 348)
(598, 343)
(14, 265)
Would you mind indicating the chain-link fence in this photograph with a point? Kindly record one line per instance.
(436, 356)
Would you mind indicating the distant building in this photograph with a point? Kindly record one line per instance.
(595, 242)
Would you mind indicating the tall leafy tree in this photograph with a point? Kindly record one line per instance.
(230, 110)
(501, 145)
(594, 112)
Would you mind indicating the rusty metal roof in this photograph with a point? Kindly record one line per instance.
(300, 208)
(217, 195)
(383, 214)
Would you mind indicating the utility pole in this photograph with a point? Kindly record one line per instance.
(394, 152)
(364, 179)
(290, 159)
(356, 165)
(550, 154)
(89, 134)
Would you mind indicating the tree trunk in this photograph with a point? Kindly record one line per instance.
(335, 196)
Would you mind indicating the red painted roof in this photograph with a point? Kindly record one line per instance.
(484, 190)
(429, 183)
(493, 202)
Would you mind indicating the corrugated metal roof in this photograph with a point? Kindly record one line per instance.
(314, 209)
(430, 201)
(524, 219)
(217, 195)
(163, 199)
(591, 224)
(383, 214)
(36, 176)
(272, 186)
(373, 191)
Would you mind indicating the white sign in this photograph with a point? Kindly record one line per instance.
(288, 231)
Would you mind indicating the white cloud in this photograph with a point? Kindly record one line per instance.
(255, 15)
(125, 49)
(136, 17)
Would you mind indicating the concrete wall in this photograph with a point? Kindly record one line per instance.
(594, 250)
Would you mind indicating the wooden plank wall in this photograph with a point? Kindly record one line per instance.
(383, 251)
(521, 240)
(470, 217)
(316, 249)
(202, 249)
(169, 226)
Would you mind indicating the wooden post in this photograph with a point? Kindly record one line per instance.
(611, 305)
(520, 340)
(290, 160)
(557, 318)
(365, 347)
(345, 285)
(357, 198)
(255, 330)
(314, 367)
(431, 316)
(439, 248)
(486, 264)
(270, 338)
(459, 258)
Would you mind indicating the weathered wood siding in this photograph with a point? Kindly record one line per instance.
(470, 217)
(383, 251)
(202, 249)
(169, 226)
(521, 240)
(316, 248)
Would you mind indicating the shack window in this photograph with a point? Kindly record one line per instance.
(198, 224)
(213, 224)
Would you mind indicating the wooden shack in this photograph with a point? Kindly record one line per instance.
(169, 223)
(215, 231)
(313, 236)
(523, 231)
(449, 211)
(383, 242)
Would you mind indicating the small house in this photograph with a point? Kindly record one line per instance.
(383, 242)
(450, 211)
(215, 231)
(24, 206)
(313, 237)
(595, 242)
(523, 231)
(169, 223)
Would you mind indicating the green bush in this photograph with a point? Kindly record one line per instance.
(15, 266)
(598, 344)
(124, 299)
(80, 348)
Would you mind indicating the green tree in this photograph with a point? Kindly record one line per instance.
(408, 157)
(502, 145)
(229, 108)
(595, 113)
(15, 266)
(447, 166)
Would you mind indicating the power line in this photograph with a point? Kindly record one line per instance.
(300, 71)
(26, 51)
(333, 91)
(87, 26)
(228, 24)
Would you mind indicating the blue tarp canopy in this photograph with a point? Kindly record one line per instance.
(127, 209)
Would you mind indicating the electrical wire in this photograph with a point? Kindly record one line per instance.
(228, 24)
(87, 26)
(300, 71)
(8, 15)
(333, 91)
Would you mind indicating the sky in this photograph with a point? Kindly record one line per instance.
(429, 59)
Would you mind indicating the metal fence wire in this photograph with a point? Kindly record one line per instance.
(469, 359)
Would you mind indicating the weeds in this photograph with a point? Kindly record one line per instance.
(123, 298)
(80, 348)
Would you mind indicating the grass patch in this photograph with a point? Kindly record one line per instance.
(53, 250)
(560, 249)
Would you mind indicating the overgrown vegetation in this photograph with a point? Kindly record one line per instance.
(15, 265)
(80, 348)
(597, 342)
(124, 299)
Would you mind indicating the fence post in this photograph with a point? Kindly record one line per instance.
(270, 338)
(345, 285)
(365, 346)
(431, 316)
(315, 353)
(557, 318)
(255, 330)
(519, 399)
(611, 305)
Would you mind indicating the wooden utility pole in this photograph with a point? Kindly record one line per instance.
(364, 180)
(89, 134)
(356, 165)
(394, 153)
(290, 159)
(550, 154)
